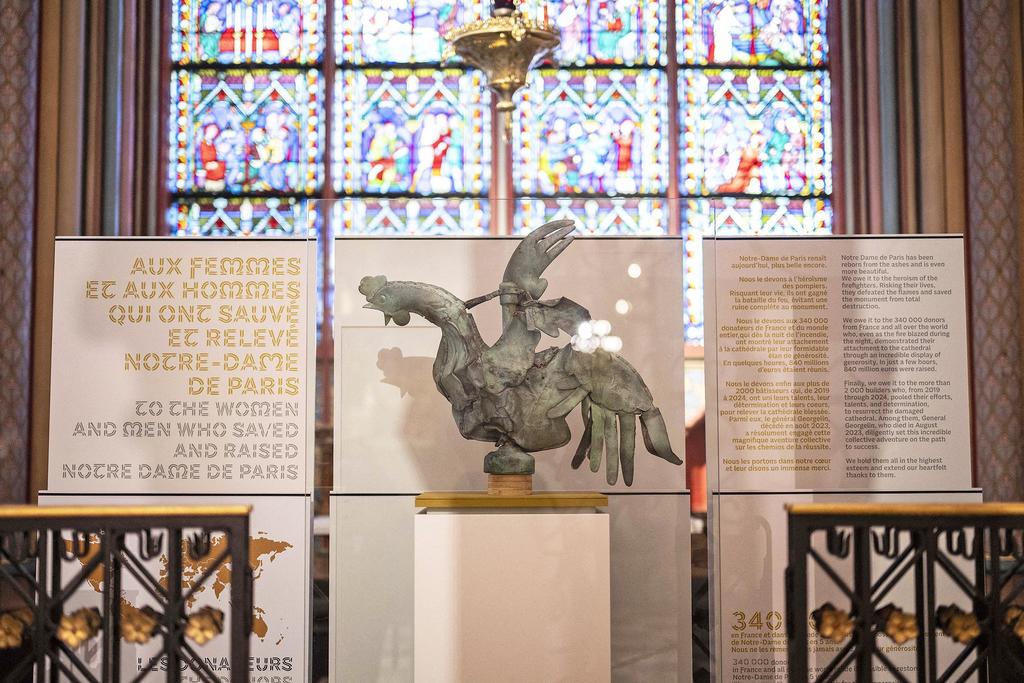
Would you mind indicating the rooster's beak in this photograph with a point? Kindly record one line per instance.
(372, 306)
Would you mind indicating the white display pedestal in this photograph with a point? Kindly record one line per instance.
(511, 589)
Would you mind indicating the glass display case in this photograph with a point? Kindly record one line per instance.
(395, 435)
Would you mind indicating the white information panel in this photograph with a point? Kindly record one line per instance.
(837, 363)
(836, 367)
(279, 558)
(752, 593)
(182, 366)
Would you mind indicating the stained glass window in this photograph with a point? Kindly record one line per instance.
(244, 31)
(591, 135)
(609, 32)
(600, 216)
(246, 117)
(591, 131)
(411, 131)
(755, 143)
(626, 32)
(427, 216)
(240, 131)
(407, 127)
(411, 139)
(753, 32)
(397, 31)
(241, 216)
(756, 132)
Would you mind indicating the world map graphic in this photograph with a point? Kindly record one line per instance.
(262, 551)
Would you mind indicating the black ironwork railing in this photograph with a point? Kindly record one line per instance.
(951, 554)
(61, 575)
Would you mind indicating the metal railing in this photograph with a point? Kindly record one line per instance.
(56, 561)
(974, 551)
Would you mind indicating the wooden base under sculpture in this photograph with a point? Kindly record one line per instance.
(509, 471)
(509, 484)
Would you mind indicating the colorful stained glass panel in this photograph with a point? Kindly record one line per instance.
(693, 390)
(739, 216)
(246, 31)
(421, 131)
(753, 32)
(242, 217)
(760, 216)
(626, 32)
(605, 216)
(435, 216)
(397, 31)
(755, 132)
(591, 131)
(236, 131)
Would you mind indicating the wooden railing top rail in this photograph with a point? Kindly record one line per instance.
(908, 509)
(121, 511)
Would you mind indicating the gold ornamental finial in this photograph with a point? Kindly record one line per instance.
(505, 46)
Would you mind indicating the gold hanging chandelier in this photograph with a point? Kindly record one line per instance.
(505, 46)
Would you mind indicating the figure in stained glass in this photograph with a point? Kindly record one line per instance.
(255, 152)
(410, 131)
(745, 174)
(779, 30)
(595, 155)
(582, 153)
(757, 132)
(763, 155)
(557, 157)
(241, 131)
(784, 151)
(212, 169)
(570, 23)
(437, 154)
(388, 144)
(288, 22)
(619, 32)
(218, 148)
(212, 20)
(754, 32)
(623, 137)
(274, 150)
(725, 31)
(581, 131)
(387, 153)
(614, 28)
(395, 31)
(268, 31)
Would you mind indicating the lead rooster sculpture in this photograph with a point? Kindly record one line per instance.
(516, 397)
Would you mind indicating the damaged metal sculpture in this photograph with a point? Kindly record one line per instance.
(516, 397)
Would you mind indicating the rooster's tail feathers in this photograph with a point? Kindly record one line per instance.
(656, 436)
